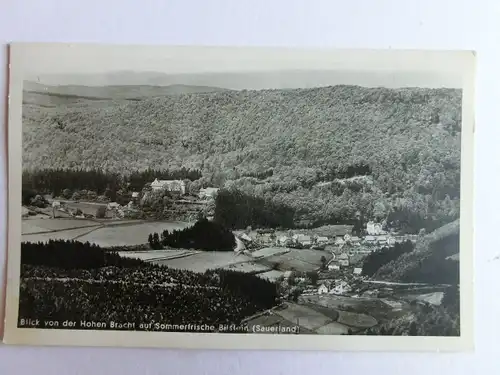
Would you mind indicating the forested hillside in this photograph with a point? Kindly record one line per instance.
(429, 262)
(326, 153)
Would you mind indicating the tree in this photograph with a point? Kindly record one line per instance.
(323, 262)
(313, 276)
(66, 193)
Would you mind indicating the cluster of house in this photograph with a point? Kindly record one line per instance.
(376, 237)
(339, 287)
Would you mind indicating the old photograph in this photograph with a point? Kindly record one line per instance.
(235, 193)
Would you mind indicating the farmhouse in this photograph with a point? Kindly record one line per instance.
(322, 289)
(282, 241)
(174, 186)
(303, 240)
(344, 260)
(373, 229)
(322, 240)
(113, 206)
(340, 288)
(208, 193)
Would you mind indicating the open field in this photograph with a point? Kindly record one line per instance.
(247, 267)
(203, 261)
(38, 225)
(271, 275)
(116, 233)
(65, 235)
(300, 260)
(151, 255)
(374, 307)
(269, 251)
(128, 234)
(356, 320)
(303, 316)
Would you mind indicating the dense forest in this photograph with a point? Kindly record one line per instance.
(203, 235)
(64, 182)
(322, 152)
(377, 259)
(64, 280)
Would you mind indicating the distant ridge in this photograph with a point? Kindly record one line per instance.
(114, 92)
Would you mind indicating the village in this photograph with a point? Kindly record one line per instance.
(327, 260)
(340, 252)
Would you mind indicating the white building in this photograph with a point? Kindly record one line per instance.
(340, 288)
(322, 289)
(175, 186)
(322, 240)
(303, 239)
(135, 194)
(56, 204)
(357, 271)
(333, 267)
(373, 229)
(281, 241)
(113, 206)
(344, 260)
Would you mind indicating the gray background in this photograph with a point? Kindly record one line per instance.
(422, 24)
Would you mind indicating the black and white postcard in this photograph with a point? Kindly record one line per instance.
(240, 198)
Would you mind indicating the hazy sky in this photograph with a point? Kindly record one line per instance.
(257, 80)
(243, 68)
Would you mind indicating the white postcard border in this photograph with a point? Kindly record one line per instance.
(459, 62)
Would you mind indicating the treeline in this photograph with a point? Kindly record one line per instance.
(377, 259)
(235, 209)
(406, 221)
(71, 254)
(203, 235)
(66, 181)
(243, 284)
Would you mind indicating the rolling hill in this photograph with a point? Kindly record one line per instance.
(115, 92)
(407, 139)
